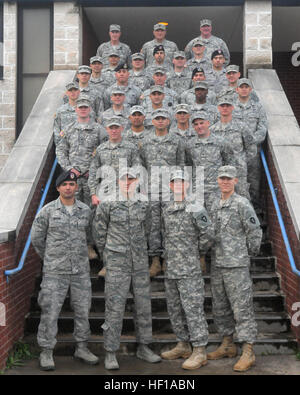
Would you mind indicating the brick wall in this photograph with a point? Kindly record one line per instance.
(15, 295)
(290, 282)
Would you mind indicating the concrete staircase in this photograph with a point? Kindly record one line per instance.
(273, 322)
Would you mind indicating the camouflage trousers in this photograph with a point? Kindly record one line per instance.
(54, 289)
(232, 300)
(117, 286)
(155, 236)
(254, 180)
(185, 303)
(83, 193)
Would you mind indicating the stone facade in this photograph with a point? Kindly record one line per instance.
(8, 84)
(257, 34)
(67, 36)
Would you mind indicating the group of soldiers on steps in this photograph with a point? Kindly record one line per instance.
(159, 152)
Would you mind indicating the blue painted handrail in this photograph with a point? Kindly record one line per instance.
(279, 216)
(28, 241)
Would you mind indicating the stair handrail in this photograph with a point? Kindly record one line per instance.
(10, 272)
(279, 216)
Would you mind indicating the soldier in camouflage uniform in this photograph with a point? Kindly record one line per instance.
(98, 80)
(188, 96)
(200, 58)
(120, 231)
(182, 127)
(187, 233)
(109, 71)
(179, 79)
(122, 49)
(160, 60)
(160, 151)
(237, 236)
(239, 136)
(216, 75)
(159, 32)
(211, 42)
(137, 132)
(132, 92)
(66, 113)
(59, 235)
(200, 102)
(138, 75)
(156, 101)
(253, 114)
(118, 108)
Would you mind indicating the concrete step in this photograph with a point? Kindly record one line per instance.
(267, 322)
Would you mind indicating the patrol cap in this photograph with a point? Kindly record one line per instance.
(199, 115)
(225, 100)
(117, 91)
(232, 67)
(113, 52)
(227, 171)
(179, 54)
(114, 28)
(197, 70)
(179, 175)
(159, 26)
(201, 85)
(182, 108)
(244, 81)
(115, 121)
(217, 53)
(198, 41)
(84, 69)
(121, 66)
(137, 55)
(157, 88)
(205, 22)
(94, 59)
(129, 172)
(83, 101)
(137, 109)
(72, 85)
(160, 70)
(158, 48)
(160, 113)
(65, 176)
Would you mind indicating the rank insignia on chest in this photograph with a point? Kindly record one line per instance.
(204, 218)
(252, 220)
(61, 133)
(94, 153)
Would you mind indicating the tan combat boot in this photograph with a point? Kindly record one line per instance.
(92, 253)
(196, 360)
(181, 350)
(155, 267)
(102, 272)
(226, 349)
(203, 263)
(247, 359)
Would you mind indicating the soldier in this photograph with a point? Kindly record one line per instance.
(122, 49)
(187, 234)
(253, 114)
(157, 101)
(239, 136)
(118, 108)
(200, 103)
(138, 75)
(120, 229)
(137, 131)
(109, 71)
(160, 151)
(159, 32)
(75, 152)
(182, 127)
(216, 76)
(211, 42)
(200, 58)
(188, 96)
(170, 98)
(160, 60)
(237, 235)
(66, 113)
(132, 92)
(179, 79)
(59, 235)
(99, 80)
(83, 76)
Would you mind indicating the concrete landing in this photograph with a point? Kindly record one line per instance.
(130, 365)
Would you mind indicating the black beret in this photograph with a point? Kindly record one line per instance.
(216, 53)
(65, 176)
(122, 66)
(197, 70)
(158, 48)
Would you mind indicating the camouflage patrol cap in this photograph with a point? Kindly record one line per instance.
(160, 70)
(182, 108)
(160, 113)
(246, 81)
(199, 115)
(113, 52)
(232, 68)
(84, 69)
(83, 101)
(179, 175)
(227, 171)
(65, 176)
(225, 100)
(129, 172)
(140, 109)
(72, 85)
(121, 66)
(115, 121)
(218, 52)
(137, 55)
(205, 22)
(114, 28)
(201, 85)
(159, 26)
(117, 91)
(198, 41)
(157, 88)
(158, 48)
(179, 54)
(94, 59)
